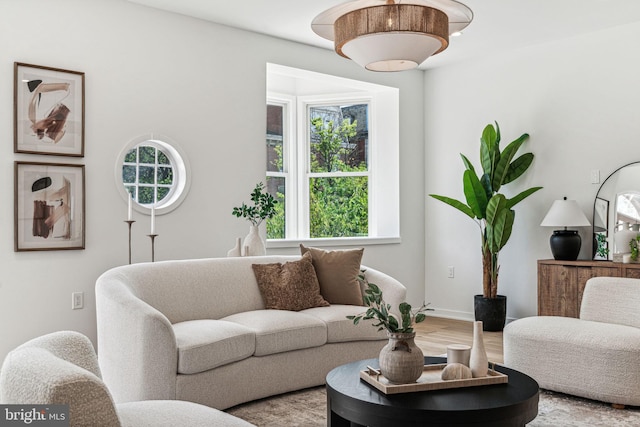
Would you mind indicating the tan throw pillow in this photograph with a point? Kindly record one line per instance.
(289, 286)
(338, 274)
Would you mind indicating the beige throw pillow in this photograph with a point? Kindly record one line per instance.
(338, 274)
(289, 286)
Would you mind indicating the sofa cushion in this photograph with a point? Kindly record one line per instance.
(341, 329)
(338, 274)
(278, 331)
(289, 286)
(207, 344)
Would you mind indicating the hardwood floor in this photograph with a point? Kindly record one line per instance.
(434, 334)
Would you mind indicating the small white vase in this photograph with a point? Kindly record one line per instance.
(253, 244)
(237, 249)
(622, 239)
(478, 361)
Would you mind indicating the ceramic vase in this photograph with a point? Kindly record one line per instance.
(622, 239)
(253, 244)
(237, 249)
(478, 361)
(401, 360)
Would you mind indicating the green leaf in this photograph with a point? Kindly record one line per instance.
(499, 223)
(502, 229)
(518, 167)
(456, 204)
(521, 196)
(489, 149)
(485, 180)
(467, 163)
(496, 204)
(420, 317)
(475, 194)
(503, 166)
(404, 308)
(393, 324)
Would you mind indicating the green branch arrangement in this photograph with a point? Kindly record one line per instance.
(263, 206)
(380, 311)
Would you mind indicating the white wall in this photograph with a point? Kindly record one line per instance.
(202, 85)
(578, 99)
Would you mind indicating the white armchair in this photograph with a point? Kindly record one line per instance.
(62, 369)
(596, 356)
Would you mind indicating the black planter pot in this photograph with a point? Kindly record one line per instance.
(491, 311)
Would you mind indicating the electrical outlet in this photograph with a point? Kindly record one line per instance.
(450, 272)
(595, 176)
(77, 300)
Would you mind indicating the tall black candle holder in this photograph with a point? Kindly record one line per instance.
(153, 244)
(129, 223)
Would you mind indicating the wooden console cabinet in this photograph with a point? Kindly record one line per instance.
(561, 283)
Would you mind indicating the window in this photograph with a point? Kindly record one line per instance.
(153, 173)
(334, 174)
(147, 174)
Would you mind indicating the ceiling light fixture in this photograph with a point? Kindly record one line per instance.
(388, 35)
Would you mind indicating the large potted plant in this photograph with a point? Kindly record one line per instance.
(494, 214)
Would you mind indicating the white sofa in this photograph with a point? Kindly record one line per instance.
(596, 356)
(197, 330)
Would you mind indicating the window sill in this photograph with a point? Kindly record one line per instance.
(343, 241)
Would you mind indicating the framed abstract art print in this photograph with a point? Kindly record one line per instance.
(48, 110)
(49, 206)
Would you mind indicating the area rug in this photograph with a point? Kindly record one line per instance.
(307, 408)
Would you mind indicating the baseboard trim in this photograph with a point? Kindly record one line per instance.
(457, 315)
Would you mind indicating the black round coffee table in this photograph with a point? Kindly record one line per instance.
(352, 402)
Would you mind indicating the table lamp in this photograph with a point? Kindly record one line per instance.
(565, 244)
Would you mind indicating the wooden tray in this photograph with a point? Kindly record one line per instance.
(429, 380)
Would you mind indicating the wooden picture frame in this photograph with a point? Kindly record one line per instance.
(48, 111)
(49, 206)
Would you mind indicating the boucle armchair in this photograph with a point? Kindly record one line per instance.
(596, 356)
(62, 369)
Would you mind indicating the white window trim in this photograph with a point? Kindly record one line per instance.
(304, 103)
(181, 173)
(384, 200)
(289, 165)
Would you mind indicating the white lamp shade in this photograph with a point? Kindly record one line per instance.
(565, 213)
(391, 51)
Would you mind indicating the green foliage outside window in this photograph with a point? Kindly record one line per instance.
(338, 205)
(141, 171)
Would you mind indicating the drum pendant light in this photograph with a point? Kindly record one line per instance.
(388, 35)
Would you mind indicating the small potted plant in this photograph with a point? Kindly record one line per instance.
(633, 245)
(263, 208)
(401, 360)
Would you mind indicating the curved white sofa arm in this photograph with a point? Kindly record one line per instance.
(393, 291)
(131, 333)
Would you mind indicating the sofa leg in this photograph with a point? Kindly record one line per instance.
(617, 406)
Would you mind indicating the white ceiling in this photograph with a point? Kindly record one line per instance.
(498, 25)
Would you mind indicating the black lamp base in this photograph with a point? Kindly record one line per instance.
(565, 245)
